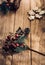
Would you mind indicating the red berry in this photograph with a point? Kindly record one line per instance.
(16, 35)
(8, 37)
(7, 46)
(7, 4)
(17, 44)
(13, 44)
(22, 45)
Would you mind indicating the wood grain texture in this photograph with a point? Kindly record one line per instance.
(12, 21)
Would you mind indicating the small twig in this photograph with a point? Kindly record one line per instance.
(37, 52)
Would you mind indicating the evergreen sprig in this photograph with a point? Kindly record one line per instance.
(16, 43)
(8, 6)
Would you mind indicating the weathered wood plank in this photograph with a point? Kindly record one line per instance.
(11, 22)
(20, 20)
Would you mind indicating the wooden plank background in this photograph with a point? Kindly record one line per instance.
(11, 22)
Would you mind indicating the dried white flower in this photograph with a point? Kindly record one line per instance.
(31, 12)
(31, 17)
(38, 16)
(42, 12)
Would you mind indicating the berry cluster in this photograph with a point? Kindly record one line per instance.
(5, 7)
(15, 43)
